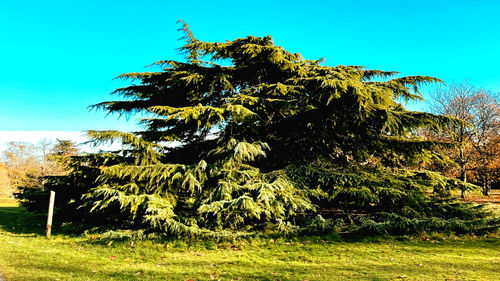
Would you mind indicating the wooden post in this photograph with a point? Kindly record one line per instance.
(51, 212)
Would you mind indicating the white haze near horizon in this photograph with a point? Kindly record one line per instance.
(34, 137)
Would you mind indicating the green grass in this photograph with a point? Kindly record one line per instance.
(26, 255)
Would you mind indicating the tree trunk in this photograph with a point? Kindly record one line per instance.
(485, 187)
(463, 172)
(463, 177)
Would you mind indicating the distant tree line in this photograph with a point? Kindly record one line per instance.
(477, 155)
(28, 165)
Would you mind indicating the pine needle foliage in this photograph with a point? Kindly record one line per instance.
(267, 140)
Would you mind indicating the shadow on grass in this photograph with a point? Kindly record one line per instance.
(18, 221)
(185, 270)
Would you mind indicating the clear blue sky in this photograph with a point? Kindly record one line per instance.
(58, 57)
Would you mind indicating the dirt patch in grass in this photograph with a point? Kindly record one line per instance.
(493, 198)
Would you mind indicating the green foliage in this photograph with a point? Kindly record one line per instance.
(265, 139)
(380, 200)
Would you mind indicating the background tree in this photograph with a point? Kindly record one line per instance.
(48, 162)
(44, 146)
(64, 148)
(28, 163)
(60, 155)
(486, 143)
(6, 190)
(23, 163)
(478, 150)
(267, 140)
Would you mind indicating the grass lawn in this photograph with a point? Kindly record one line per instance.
(26, 255)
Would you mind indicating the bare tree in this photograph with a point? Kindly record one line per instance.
(476, 150)
(44, 145)
(6, 189)
(28, 165)
(486, 151)
(21, 160)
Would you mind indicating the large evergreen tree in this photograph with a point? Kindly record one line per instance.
(244, 135)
